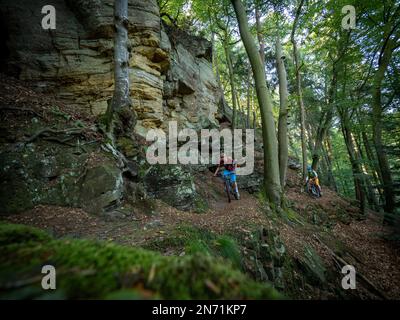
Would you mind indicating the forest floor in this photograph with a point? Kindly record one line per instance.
(365, 245)
(330, 225)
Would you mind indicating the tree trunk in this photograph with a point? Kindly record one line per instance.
(354, 161)
(325, 122)
(231, 80)
(372, 163)
(259, 34)
(326, 118)
(121, 115)
(328, 155)
(121, 56)
(216, 66)
(385, 57)
(248, 98)
(372, 201)
(283, 112)
(270, 143)
(300, 94)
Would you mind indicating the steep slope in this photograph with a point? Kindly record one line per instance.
(299, 250)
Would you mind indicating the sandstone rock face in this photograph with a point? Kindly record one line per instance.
(170, 72)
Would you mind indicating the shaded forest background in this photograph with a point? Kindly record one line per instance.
(349, 83)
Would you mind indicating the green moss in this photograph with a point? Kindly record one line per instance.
(88, 269)
(198, 246)
(292, 216)
(127, 146)
(194, 240)
(229, 249)
(15, 233)
(312, 266)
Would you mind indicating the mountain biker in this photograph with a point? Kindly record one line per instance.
(229, 165)
(312, 176)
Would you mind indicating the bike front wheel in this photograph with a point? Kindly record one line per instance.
(228, 189)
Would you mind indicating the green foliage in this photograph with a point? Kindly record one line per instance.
(228, 248)
(196, 240)
(88, 269)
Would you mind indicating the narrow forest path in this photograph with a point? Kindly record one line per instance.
(330, 218)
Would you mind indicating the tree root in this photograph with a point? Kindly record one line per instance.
(22, 110)
(41, 132)
(340, 262)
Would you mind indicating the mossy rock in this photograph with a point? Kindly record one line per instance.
(173, 185)
(312, 266)
(53, 174)
(127, 147)
(88, 269)
(101, 188)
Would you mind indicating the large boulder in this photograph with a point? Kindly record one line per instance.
(47, 173)
(102, 188)
(172, 184)
(252, 183)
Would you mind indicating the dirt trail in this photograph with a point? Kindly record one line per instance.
(377, 258)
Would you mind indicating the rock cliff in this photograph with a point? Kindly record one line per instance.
(171, 71)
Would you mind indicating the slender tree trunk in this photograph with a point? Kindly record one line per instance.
(329, 154)
(121, 118)
(283, 112)
(299, 93)
(367, 178)
(121, 97)
(372, 163)
(325, 122)
(260, 33)
(354, 156)
(254, 108)
(355, 164)
(270, 143)
(248, 98)
(231, 80)
(326, 118)
(385, 57)
(240, 114)
(216, 66)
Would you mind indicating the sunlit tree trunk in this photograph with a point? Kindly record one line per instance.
(231, 80)
(248, 98)
(270, 143)
(283, 112)
(217, 74)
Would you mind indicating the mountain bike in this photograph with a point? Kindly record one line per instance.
(228, 187)
(313, 189)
